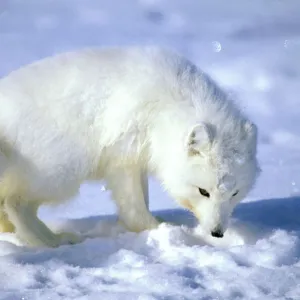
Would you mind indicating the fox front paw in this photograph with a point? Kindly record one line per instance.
(140, 224)
(161, 220)
(68, 238)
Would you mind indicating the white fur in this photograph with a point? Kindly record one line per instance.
(118, 114)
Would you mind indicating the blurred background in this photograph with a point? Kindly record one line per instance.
(251, 48)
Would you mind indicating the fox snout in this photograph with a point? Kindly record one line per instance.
(217, 232)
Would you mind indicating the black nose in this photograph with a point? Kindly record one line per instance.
(217, 233)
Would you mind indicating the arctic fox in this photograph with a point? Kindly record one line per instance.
(119, 114)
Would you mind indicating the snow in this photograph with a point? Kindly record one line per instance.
(253, 49)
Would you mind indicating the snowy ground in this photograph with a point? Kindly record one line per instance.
(253, 49)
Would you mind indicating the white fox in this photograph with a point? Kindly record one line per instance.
(120, 114)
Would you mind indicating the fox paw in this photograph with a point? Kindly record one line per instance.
(68, 238)
(161, 220)
(141, 224)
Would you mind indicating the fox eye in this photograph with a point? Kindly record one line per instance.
(204, 193)
(235, 193)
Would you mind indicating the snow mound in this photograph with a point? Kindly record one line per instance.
(254, 260)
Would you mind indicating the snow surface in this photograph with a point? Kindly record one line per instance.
(253, 49)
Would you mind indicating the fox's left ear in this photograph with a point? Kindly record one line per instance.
(250, 130)
(199, 139)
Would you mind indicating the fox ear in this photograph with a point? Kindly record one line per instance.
(251, 137)
(199, 138)
(248, 147)
(250, 129)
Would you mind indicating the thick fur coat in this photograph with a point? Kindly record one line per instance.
(120, 114)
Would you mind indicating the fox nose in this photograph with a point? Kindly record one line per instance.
(218, 233)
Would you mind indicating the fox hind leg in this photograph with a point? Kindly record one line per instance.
(5, 224)
(30, 229)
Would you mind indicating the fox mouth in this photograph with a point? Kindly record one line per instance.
(186, 203)
(217, 232)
